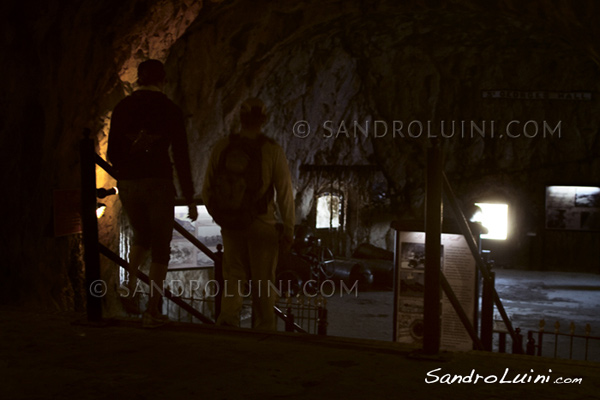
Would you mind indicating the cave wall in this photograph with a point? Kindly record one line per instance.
(330, 64)
(66, 64)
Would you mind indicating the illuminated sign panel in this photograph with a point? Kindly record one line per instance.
(573, 208)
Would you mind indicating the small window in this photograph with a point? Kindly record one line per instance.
(495, 218)
(328, 211)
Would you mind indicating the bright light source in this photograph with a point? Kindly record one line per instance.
(328, 211)
(100, 209)
(495, 218)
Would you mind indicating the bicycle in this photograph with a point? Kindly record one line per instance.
(306, 267)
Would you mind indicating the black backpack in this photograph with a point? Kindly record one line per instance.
(234, 201)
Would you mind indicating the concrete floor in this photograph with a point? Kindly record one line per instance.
(554, 297)
(60, 356)
(527, 296)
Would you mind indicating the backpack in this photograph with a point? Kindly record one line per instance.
(234, 201)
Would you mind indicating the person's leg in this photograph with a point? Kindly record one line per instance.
(137, 256)
(263, 243)
(235, 259)
(158, 273)
(161, 217)
(130, 301)
(135, 208)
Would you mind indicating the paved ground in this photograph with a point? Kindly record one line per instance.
(557, 297)
(528, 297)
(59, 356)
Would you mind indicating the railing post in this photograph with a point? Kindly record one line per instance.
(556, 332)
(588, 330)
(518, 342)
(396, 282)
(541, 328)
(530, 344)
(433, 234)
(487, 311)
(501, 342)
(321, 319)
(89, 223)
(289, 320)
(219, 279)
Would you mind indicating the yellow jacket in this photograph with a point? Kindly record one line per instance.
(275, 171)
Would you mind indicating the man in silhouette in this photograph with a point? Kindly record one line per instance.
(251, 252)
(143, 127)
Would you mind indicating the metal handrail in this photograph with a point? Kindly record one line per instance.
(460, 311)
(144, 278)
(285, 317)
(532, 345)
(472, 243)
(201, 246)
(192, 239)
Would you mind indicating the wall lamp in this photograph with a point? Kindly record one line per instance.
(102, 193)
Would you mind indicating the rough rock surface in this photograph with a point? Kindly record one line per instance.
(68, 64)
(63, 75)
(372, 84)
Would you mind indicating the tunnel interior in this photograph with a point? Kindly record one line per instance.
(356, 91)
(371, 85)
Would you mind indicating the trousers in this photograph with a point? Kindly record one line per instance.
(250, 256)
(150, 207)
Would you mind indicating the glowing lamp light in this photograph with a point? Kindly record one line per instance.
(100, 209)
(495, 218)
(101, 193)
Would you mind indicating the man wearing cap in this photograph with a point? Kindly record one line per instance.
(143, 127)
(250, 254)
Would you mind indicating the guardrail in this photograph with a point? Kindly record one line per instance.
(559, 340)
(92, 248)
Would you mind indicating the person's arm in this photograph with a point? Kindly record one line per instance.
(118, 144)
(282, 181)
(181, 158)
(210, 173)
